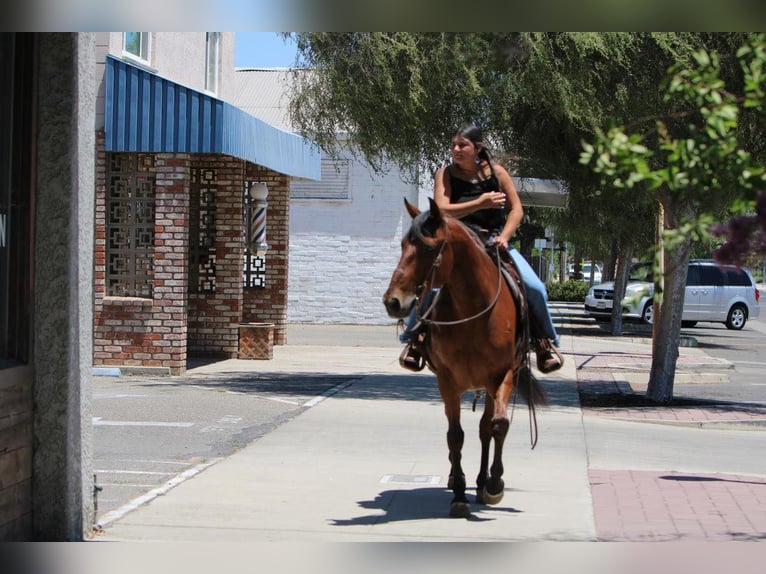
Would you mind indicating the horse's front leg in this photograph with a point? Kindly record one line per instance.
(493, 489)
(485, 437)
(459, 506)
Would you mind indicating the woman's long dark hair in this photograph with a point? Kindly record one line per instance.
(472, 132)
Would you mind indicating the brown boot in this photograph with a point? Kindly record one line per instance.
(548, 357)
(411, 359)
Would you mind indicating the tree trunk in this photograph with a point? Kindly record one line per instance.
(667, 325)
(620, 282)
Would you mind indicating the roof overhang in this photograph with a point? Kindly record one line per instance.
(541, 192)
(147, 113)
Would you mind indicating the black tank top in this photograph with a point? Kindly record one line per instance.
(462, 191)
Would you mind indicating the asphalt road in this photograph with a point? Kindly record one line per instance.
(149, 430)
(746, 349)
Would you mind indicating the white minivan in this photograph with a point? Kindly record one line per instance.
(714, 293)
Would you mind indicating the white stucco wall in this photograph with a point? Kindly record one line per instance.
(342, 253)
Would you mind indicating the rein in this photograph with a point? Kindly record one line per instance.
(423, 318)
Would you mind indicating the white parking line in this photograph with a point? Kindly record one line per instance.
(328, 393)
(108, 471)
(102, 423)
(275, 399)
(118, 513)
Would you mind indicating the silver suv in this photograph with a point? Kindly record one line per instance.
(718, 294)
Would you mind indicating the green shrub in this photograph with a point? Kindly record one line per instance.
(571, 291)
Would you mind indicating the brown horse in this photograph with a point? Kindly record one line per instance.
(474, 341)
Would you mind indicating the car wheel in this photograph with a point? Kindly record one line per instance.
(688, 323)
(737, 318)
(647, 316)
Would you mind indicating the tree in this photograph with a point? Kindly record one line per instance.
(395, 96)
(697, 167)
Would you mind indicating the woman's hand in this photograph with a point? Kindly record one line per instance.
(493, 200)
(501, 241)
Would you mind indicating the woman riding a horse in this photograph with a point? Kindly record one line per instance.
(477, 329)
(480, 192)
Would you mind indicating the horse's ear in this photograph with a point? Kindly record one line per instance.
(434, 209)
(411, 209)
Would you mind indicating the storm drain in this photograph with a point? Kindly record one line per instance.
(410, 479)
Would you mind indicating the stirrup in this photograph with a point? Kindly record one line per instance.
(411, 359)
(549, 358)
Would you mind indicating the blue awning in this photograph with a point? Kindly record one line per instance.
(147, 113)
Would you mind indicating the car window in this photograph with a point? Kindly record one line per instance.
(641, 272)
(710, 275)
(692, 276)
(736, 276)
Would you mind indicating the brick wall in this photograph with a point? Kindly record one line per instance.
(269, 304)
(146, 332)
(214, 317)
(160, 331)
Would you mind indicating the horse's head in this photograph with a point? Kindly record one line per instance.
(423, 261)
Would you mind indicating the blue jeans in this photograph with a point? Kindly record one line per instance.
(537, 299)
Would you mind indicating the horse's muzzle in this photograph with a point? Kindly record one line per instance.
(396, 309)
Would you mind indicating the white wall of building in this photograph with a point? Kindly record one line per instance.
(342, 252)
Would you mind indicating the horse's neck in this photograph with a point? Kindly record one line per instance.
(474, 277)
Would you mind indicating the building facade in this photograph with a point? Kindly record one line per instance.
(345, 229)
(132, 212)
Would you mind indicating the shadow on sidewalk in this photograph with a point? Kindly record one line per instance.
(402, 387)
(416, 504)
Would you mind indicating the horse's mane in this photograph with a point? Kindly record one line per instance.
(424, 227)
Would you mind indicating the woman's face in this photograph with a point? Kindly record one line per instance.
(463, 150)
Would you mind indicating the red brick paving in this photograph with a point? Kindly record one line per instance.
(642, 506)
(632, 505)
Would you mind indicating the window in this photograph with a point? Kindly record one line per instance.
(710, 275)
(212, 62)
(137, 45)
(736, 277)
(333, 185)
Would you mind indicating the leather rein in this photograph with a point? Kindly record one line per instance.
(425, 286)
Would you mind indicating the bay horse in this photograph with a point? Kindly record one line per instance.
(475, 341)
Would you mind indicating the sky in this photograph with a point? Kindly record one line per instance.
(263, 50)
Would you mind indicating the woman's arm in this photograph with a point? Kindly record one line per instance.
(486, 200)
(514, 206)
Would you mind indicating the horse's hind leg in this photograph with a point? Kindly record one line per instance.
(459, 506)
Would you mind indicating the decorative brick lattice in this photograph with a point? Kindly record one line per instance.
(202, 230)
(130, 231)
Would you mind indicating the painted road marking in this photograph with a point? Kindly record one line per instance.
(328, 393)
(102, 423)
(132, 472)
(110, 517)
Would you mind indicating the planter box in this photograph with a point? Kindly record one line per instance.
(256, 340)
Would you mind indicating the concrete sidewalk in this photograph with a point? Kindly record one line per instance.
(367, 461)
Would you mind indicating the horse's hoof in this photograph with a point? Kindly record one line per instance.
(491, 499)
(460, 510)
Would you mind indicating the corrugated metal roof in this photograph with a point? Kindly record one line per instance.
(147, 113)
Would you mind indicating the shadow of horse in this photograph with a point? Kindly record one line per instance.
(401, 505)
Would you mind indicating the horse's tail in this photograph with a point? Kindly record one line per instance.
(530, 388)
